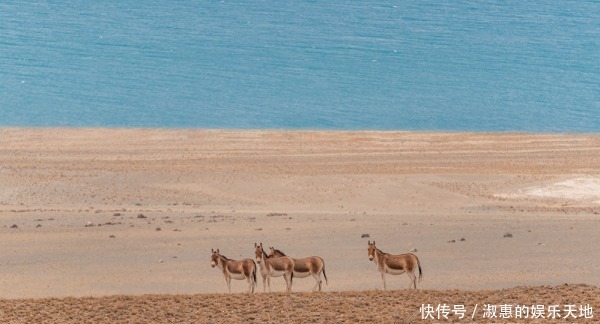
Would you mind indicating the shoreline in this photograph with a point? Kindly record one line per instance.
(300, 130)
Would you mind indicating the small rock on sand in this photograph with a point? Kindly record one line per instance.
(507, 234)
(364, 235)
(14, 226)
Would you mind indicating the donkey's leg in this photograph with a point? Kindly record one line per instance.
(413, 279)
(269, 282)
(383, 279)
(319, 276)
(288, 281)
(249, 281)
(265, 283)
(318, 281)
(228, 279)
(252, 281)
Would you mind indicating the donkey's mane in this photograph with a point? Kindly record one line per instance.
(279, 252)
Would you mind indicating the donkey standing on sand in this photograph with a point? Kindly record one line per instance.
(274, 267)
(311, 266)
(239, 270)
(395, 264)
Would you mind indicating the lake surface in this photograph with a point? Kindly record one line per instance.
(383, 65)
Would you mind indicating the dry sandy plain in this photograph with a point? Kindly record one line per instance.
(105, 225)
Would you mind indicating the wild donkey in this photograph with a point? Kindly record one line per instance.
(311, 266)
(274, 267)
(239, 270)
(395, 264)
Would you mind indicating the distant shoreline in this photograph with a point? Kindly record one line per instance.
(299, 130)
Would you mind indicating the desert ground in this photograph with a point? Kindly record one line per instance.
(100, 224)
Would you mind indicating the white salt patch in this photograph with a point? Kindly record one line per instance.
(577, 188)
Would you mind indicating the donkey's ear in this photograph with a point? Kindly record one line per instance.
(218, 251)
(373, 242)
(255, 245)
(261, 244)
(212, 251)
(369, 242)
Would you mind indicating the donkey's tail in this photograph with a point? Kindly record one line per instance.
(420, 271)
(325, 275)
(254, 274)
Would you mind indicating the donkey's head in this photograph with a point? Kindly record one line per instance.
(258, 252)
(371, 249)
(275, 253)
(214, 258)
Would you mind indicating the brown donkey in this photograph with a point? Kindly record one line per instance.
(311, 266)
(274, 267)
(395, 264)
(239, 270)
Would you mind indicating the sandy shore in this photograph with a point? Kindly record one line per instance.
(96, 212)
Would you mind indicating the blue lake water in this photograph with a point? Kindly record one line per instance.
(492, 65)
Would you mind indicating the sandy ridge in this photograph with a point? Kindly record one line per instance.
(403, 306)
